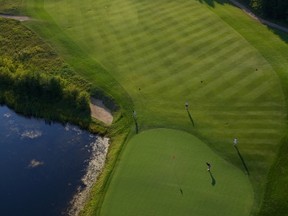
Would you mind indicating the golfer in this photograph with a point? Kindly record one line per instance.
(235, 142)
(208, 166)
(186, 105)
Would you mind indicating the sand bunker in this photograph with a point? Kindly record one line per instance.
(100, 112)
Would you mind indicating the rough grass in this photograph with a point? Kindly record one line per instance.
(24, 46)
(35, 81)
(275, 200)
(164, 53)
(11, 7)
(163, 172)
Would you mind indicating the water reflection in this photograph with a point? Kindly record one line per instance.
(41, 165)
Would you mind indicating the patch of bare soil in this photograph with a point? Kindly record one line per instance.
(100, 112)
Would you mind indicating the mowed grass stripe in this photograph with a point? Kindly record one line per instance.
(249, 83)
(148, 71)
(182, 72)
(210, 84)
(215, 75)
(156, 54)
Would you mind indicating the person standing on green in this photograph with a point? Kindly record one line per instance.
(208, 166)
(186, 105)
(235, 142)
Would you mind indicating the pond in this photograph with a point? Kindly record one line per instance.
(42, 165)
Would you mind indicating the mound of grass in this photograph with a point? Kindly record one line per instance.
(163, 172)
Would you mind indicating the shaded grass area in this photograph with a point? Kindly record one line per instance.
(11, 7)
(157, 176)
(275, 200)
(242, 160)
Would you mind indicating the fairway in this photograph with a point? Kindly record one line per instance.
(166, 53)
(163, 172)
(160, 54)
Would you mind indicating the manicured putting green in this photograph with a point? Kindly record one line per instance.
(163, 172)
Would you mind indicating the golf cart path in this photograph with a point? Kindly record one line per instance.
(263, 21)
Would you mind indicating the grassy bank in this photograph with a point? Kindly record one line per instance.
(11, 7)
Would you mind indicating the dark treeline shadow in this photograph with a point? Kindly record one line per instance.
(282, 35)
(213, 180)
(242, 159)
(190, 117)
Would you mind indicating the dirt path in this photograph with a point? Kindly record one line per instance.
(263, 21)
(19, 18)
(100, 112)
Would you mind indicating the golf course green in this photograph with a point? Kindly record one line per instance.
(153, 57)
(164, 172)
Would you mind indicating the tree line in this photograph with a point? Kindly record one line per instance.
(32, 92)
(271, 9)
(35, 80)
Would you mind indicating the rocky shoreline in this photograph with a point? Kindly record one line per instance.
(99, 150)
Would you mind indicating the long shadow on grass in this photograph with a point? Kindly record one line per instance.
(136, 124)
(242, 159)
(282, 35)
(190, 117)
(181, 191)
(213, 180)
